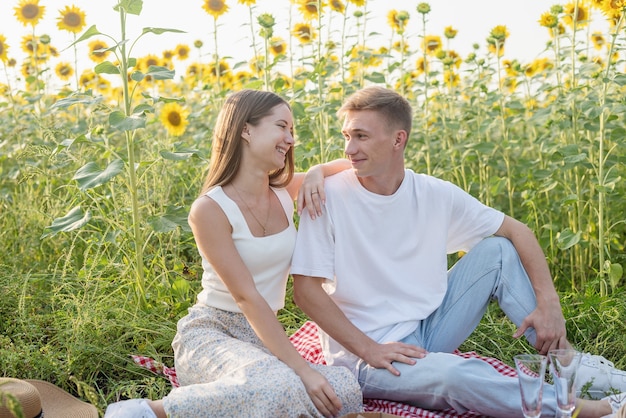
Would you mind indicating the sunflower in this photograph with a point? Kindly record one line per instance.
(393, 18)
(421, 65)
(277, 46)
(3, 49)
(182, 51)
(194, 69)
(247, 2)
(309, 9)
(530, 70)
(64, 71)
(449, 32)
(612, 9)
(451, 78)
(28, 70)
(431, 44)
(512, 68)
(337, 5)
(215, 8)
(32, 45)
(145, 62)
(224, 68)
(358, 3)
(304, 32)
(582, 14)
(168, 55)
(548, 20)
(72, 19)
(499, 33)
(597, 38)
(174, 118)
(97, 50)
(29, 12)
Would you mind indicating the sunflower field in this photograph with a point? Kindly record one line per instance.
(99, 164)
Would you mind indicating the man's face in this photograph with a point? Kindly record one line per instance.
(369, 142)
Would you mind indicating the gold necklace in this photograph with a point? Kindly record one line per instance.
(269, 205)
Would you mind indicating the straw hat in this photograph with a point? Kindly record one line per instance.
(38, 397)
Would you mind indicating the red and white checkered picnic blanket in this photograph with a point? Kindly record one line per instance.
(308, 345)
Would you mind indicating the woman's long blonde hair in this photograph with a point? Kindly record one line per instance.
(245, 106)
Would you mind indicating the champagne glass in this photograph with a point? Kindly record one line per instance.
(563, 366)
(531, 369)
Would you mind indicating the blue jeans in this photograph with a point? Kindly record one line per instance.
(491, 270)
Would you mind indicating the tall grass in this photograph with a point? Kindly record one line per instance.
(99, 262)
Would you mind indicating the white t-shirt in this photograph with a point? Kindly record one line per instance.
(385, 257)
(267, 258)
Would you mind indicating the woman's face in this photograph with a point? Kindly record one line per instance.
(272, 137)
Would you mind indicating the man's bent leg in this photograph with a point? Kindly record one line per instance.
(492, 269)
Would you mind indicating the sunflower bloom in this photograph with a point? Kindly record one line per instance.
(97, 51)
(247, 2)
(29, 12)
(277, 46)
(174, 118)
(451, 79)
(548, 20)
(144, 63)
(182, 52)
(3, 49)
(358, 3)
(304, 32)
(582, 15)
(72, 19)
(449, 32)
(421, 65)
(597, 38)
(28, 70)
(215, 8)
(87, 79)
(32, 45)
(397, 20)
(612, 9)
(337, 5)
(64, 71)
(309, 9)
(431, 44)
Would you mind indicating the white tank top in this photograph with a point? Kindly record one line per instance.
(268, 258)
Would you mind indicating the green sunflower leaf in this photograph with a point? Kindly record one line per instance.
(132, 7)
(159, 31)
(90, 175)
(567, 239)
(92, 31)
(160, 73)
(174, 217)
(118, 120)
(74, 219)
(80, 98)
(106, 67)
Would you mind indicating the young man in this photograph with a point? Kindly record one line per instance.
(372, 273)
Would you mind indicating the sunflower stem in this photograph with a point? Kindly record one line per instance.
(132, 174)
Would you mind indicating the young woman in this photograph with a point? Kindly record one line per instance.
(232, 355)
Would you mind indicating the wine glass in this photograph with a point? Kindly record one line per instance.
(563, 366)
(531, 369)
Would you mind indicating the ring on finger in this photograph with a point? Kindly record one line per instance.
(316, 192)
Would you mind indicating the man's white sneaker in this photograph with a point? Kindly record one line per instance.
(132, 408)
(616, 401)
(597, 377)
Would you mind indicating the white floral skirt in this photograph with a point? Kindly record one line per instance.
(225, 371)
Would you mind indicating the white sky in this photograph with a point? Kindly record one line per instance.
(472, 18)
